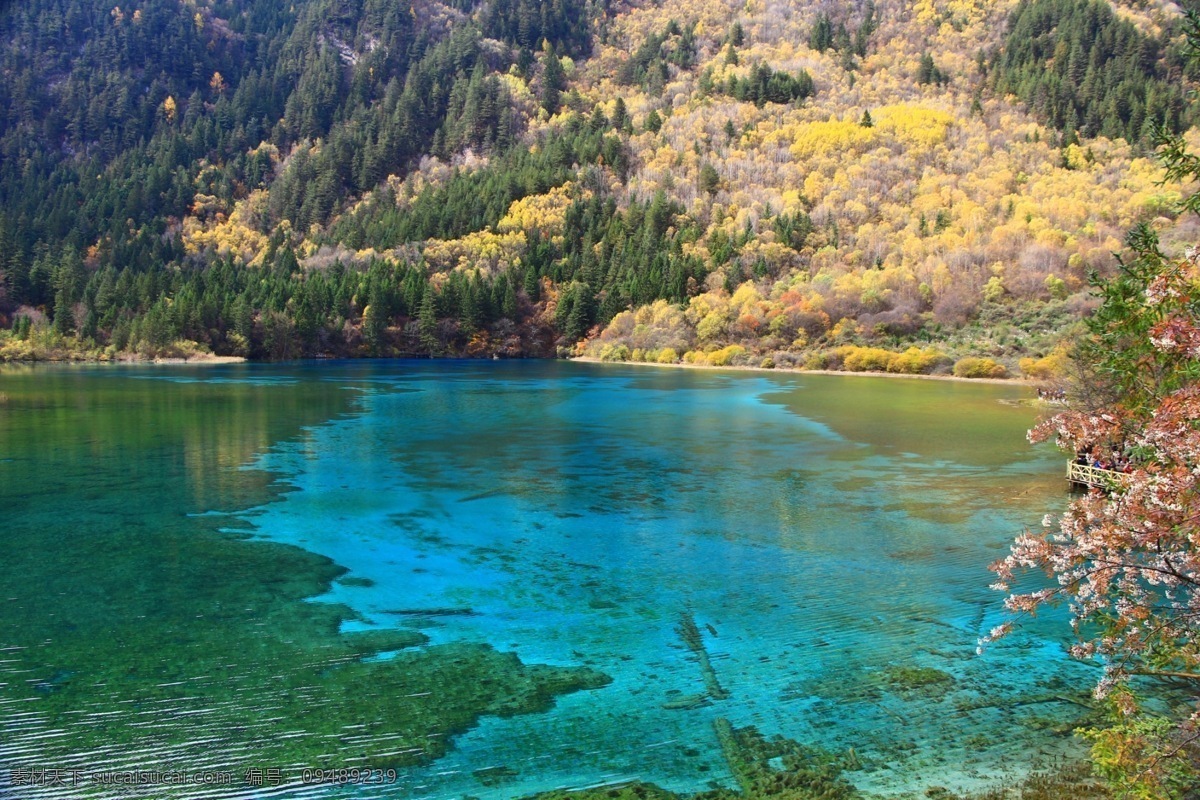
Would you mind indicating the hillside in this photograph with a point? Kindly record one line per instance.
(809, 182)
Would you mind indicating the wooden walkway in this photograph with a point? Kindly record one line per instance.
(1086, 475)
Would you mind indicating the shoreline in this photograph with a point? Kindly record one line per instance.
(793, 370)
(219, 360)
(202, 360)
(127, 362)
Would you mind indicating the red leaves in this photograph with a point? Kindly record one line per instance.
(1176, 335)
(1078, 432)
(1127, 563)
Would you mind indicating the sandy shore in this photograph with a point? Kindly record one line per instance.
(205, 359)
(1002, 381)
(129, 362)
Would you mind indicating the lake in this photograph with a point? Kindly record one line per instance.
(498, 578)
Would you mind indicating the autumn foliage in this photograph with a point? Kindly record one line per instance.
(1127, 562)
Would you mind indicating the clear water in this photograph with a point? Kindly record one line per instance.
(828, 535)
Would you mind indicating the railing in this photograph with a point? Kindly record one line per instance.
(1086, 475)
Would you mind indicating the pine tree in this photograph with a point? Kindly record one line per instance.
(427, 322)
(579, 319)
(821, 38)
(532, 284)
(508, 307)
(373, 327)
(553, 80)
(927, 71)
(620, 117)
(470, 315)
(243, 321)
(64, 314)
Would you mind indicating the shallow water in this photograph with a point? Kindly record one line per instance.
(828, 534)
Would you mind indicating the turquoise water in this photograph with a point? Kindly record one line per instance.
(827, 534)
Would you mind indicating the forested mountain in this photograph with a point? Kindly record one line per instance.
(1088, 72)
(796, 180)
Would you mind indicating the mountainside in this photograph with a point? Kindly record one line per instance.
(813, 183)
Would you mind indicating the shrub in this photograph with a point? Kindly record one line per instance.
(1056, 287)
(835, 359)
(915, 361)
(971, 367)
(816, 361)
(725, 356)
(668, 356)
(614, 352)
(13, 349)
(865, 359)
(1047, 368)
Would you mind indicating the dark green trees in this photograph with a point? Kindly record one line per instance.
(765, 85)
(928, 72)
(821, 38)
(553, 80)
(1084, 69)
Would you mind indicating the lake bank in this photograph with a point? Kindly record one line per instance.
(793, 370)
(200, 359)
(33, 355)
(49, 348)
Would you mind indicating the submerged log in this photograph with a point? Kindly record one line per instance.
(690, 634)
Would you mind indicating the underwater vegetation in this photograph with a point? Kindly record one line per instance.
(909, 680)
(1073, 781)
(777, 768)
(764, 768)
(139, 631)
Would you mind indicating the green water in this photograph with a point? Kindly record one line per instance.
(134, 634)
(502, 553)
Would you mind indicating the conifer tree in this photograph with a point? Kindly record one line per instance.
(553, 80)
(428, 322)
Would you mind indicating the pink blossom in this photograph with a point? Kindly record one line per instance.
(1128, 564)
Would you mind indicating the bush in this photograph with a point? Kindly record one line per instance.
(816, 361)
(768, 363)
(1046, 368)
(979, 368)
(725, 356)
(865, 359)
(14, 349)
(853, 358)
(45, 344)
(915, 361)
(614, 352)
(668, 356)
